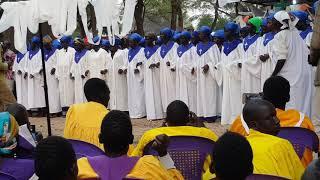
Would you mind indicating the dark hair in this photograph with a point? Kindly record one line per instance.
(177, 113)
(55, 159)
(232, 157)
(252, 109)
(116, 131)
(276, 90)
(97, 90)
(19, 112)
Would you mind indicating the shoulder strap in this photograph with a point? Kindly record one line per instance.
(302, 115)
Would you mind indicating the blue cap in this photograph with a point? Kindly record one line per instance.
(104, 42)
(264, 22)
(186, 34)
(135, 37)
(66, 39)
(167, 31)
(219, 34)
(96, 39)
(142, 41)
(205, 29)
(195, 34)
(176, 36)
(301, 15)
(35, 39)
(56, 44)
(233, 27)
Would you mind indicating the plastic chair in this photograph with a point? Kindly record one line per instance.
(188, 153)
(264, 177)
(5, 176)
(84, 149)
(300, 138)
(19, 169)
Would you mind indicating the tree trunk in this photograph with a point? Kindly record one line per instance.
(180, 15)
(174, 14)
(216, 16)
(138, 15)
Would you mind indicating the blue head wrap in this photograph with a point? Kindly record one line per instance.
(66, 39)
(142, 41)
(104, 42)
(264, 22)
(56, 44)
(301, 15)
(167, 31)
(186, 34)
(233, 27)
(195, 34)
(205, 29)
(176, 36)
(135, 37)
(219, 34)
(117, 42)
(270, 17)
(96, 39)
(35, 39)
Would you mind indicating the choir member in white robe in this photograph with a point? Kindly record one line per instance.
(230, 74)
(79, 70)
(291, 54)
(118, 73)
(207, 56)
(50, 57)
(250, 74)
(65, 56)
(152, 79)
(18, 68)
(35, 81)
(303, 25)
(186, 80)
(97, 62)
(135, 78)
(167, 77)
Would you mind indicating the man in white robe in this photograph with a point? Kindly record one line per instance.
(65, 56)
(135, 78)
(291, 54)
(18, 68)
(167, 77)
(152, 79)
(97, 61)
(207, 55)
(79, 70)
(50, 57)
(34, 69)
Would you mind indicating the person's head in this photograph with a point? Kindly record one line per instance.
(97, 90)
(55, 158)
(134, 40)
(280, 21)
(232, 157)
(254, 25)
(276, 90)
(204, 33)
(47, 42)
(176, 37)
(35, 42)
(261, 115)
(96, 41)
(56, 44)
(116, 133)
(105, 44)
(185, 38)
(78, 44)
(65, 41)
(151, 39)
(244, 32)
(231, 31)
(19, 112)
(264, 26)
(9, 131)
(312, 172)
(218, 37)
(269, 22)
(303, 17)
(177, 114)
(195, 38)
(166, 35)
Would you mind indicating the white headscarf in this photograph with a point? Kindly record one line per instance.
(281, 16)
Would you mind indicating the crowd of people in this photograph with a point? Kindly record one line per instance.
(185, 78)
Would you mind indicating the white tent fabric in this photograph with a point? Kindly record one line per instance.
(224, 2)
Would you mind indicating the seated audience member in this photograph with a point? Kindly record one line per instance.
(271, 155)
(232, 158)
(312, 172)
(116, 136)
(55, 159)
(84, 119)
(9, 130)
(276, 90)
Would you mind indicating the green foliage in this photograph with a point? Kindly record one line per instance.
(205, 20)
(220, 23)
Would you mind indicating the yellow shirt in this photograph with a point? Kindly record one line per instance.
(287, 118)
(147, 168)
(83, 122)
(274, 156)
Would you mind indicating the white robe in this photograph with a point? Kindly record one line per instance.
(207, 87)
(231, 80)
(77, 70)
(97, 62)
(186, 83)
(36, 97)
(152, 88)
(168, 78)
(53, 85)
(290, 46)
(118, 85)
(250, 73)
(66, 84)
(136, 94)
(21, 83)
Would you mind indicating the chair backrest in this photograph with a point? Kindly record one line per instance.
(188, 153)
(19, 169)
(300, 138)
(84, 149)
(5, 176)
(264, 177)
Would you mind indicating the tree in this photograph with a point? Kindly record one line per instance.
(205, 20)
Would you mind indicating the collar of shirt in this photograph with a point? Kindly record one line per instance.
(165, 48)
(268, 37)
(249, 40)
(149, 51)
(228, 47)
(182, 49)
(133, 52)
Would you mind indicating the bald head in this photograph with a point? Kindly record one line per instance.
(261, 116)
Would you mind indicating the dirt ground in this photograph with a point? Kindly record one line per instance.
(139, 126)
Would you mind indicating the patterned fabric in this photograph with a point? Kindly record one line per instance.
(8, 132)
(9, 57)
